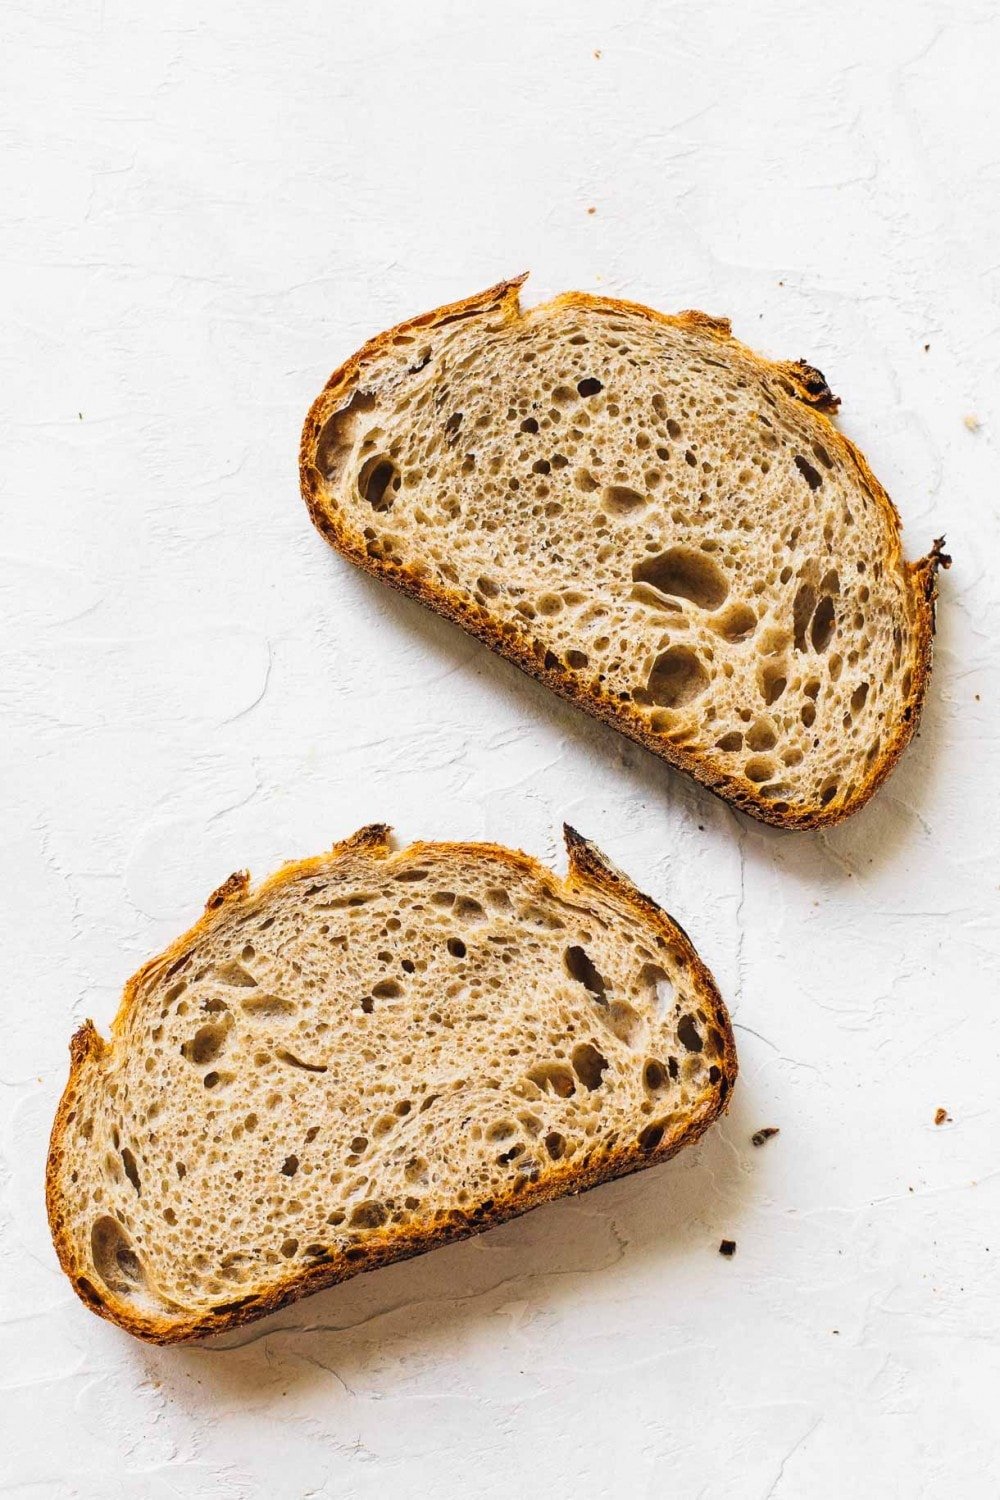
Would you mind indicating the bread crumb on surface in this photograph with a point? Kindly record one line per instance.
(759, 1137)
(972, 422)
(941, 1116)
(727, 1248)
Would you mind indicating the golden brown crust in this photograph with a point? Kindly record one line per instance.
(587, 866)
(804, 383)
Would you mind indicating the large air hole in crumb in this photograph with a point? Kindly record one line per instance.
(684, 573)
(114, 1259)
(661, 987)
(620, 500)
(625, 1022)
(581, 967)
(644, 593)
(859, 697)
(676, 677)
(690, 1036)
(235, 974)
(738, 623)
(589, 387)
(651, 1137)
(759, 768)
(811, 476)
(802, 610)
(822, 624)
(731, 743)
(775, 789)
(216, 1080)
(589, 1065)
(369, 1215)
(654, 1076)
(554, 1078)
(131, 1169)
(773, 681)
(268, 1007)
(289, 1058)
(762, 736)
(337, 435)
(378, 482)
(207, 1043)
(555, 1145)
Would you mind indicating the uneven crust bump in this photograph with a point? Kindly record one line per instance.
(860, 720)
(225, 992)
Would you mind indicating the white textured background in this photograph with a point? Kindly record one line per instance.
(203, 208)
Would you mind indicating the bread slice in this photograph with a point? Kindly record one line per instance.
(653, 520)
(373, 1054)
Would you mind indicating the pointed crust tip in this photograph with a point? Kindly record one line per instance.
(372, 836)
(84, 1042)
(813, 386)
(234, 888)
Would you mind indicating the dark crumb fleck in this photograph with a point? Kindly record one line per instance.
(701, 828)
(591, 210)
(760, 1136)
(835, 1330)
(940, 1116)
(727, 1248)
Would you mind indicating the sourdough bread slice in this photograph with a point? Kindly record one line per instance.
(373, 1054)
(648, 517)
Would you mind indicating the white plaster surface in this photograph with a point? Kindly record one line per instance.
(204, 207)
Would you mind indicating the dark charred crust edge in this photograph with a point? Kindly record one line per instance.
(587, 866)
(812, 386)
(809, 387)
(233, 888)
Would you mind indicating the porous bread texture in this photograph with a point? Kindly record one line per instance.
(370, 1055)
(650, 518)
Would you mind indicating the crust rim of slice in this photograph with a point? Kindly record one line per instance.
(804, 382)
(587, 866)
